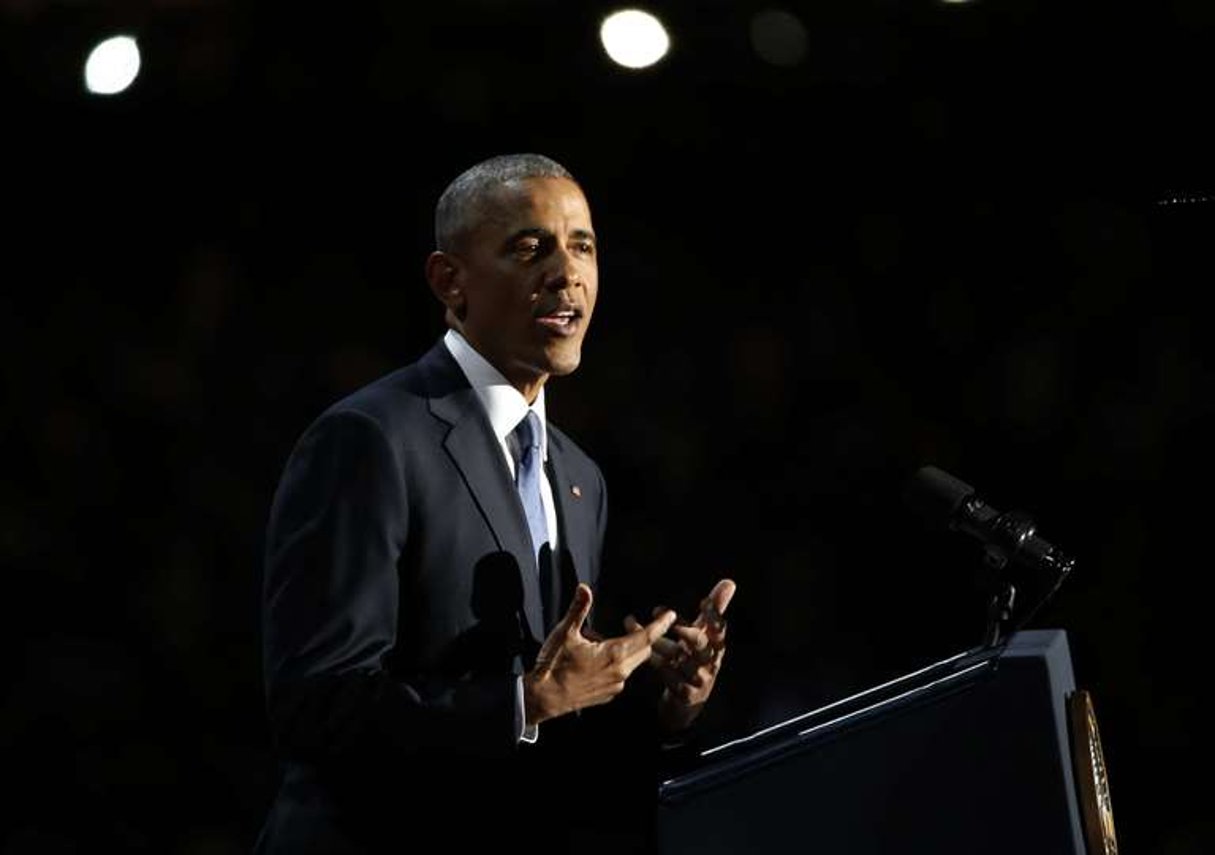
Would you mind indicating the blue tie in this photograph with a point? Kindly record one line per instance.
(528, 473)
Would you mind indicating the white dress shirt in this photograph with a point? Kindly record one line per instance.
(506, 407)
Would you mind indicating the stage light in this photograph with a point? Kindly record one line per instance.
(112, 66)
(633, 38)
(778, 37)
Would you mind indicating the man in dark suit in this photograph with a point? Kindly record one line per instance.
(431, 558)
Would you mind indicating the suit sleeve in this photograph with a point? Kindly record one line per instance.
(337, 529)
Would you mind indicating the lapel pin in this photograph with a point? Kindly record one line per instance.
(577, 491)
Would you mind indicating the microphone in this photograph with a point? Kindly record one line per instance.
(944, 501)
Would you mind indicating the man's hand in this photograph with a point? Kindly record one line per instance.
(573, 671)
(690, 661)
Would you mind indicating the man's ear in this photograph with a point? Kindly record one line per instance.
(442, 274)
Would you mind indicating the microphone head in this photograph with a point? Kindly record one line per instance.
(935, 496)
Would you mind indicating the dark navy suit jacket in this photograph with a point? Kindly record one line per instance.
(401, 601)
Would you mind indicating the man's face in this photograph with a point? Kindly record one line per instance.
(529, 276)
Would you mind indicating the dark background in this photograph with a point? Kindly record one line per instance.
(945, 237)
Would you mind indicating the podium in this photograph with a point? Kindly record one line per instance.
(968, 755)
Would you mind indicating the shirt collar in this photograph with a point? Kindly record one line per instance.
(503, 403)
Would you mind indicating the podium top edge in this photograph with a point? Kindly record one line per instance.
(961, 670)
(1037, 642)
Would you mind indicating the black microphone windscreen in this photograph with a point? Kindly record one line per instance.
(935, 495)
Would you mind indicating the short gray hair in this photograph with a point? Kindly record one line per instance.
(457, 210)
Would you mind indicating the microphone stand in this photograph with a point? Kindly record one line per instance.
(1014, 529)
(1015, 546)
(999, 607)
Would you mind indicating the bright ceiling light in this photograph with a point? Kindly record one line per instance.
(112, 66)
(633, 38)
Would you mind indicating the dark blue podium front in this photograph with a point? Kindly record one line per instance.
(970, 755)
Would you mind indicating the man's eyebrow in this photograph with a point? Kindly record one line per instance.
(545, 234)
(535, 232)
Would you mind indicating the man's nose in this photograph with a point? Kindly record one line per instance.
(565, 272)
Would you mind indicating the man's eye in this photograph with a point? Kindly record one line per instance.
(527, 247)
(586, 247)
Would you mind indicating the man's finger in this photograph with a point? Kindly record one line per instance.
(640, 638)
(570, 627)
(667, 649)
(579, 608)
(694, 638)
(713, 607)
(664, 653)
(658, 627)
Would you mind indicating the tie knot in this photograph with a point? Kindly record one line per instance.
(528, 432)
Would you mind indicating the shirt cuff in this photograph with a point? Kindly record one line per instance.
(528, 733)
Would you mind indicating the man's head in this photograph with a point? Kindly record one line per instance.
(516, 265)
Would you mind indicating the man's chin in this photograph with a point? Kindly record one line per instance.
(563, 362)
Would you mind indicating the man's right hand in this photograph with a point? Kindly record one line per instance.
(573, 671)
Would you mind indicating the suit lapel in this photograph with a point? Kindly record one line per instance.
(474, 450)
(572, 518)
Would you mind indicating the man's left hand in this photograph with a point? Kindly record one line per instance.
(689, 658)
